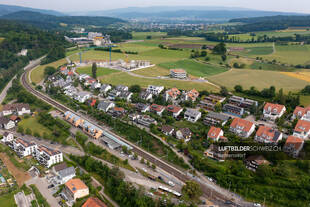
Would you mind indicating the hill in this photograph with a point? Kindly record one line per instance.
(271, 23)
(51, 22)
(7, 9)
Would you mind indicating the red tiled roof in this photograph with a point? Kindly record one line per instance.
(246, 125)
(119, 109)
(94, 202)
(14, 118)
(214, 132)
(302, 126)
(173, 92)
(266, 132)
(193, 94)
(275, 108)
(75, 184)
(173, 108)
(294, 141)
(157, 108)
(178, 70)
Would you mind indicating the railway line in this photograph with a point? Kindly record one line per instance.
(208, 191)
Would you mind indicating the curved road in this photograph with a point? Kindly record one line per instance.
(209, 192)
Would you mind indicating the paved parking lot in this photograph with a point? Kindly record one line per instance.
(21, 200)
(42, 185)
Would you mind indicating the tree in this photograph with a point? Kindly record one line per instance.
(238, 88)
(94, 70)
(28, 131)
(20, 129)
(191, 191)
(48, 71)
(220, 49)
(224, 91)
(203, 53)
(224, 57)
(135, 89)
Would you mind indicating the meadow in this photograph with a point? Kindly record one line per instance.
(143, 35)
(37, 74)
(100, 71)
(258, 78)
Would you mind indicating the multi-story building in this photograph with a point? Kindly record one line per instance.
(214, 119)
(24, 148)
(242, 128)
(178, 73)
(172, 94)
(215, 133)
(268, 135)
(155, 90)
(191, 95)
(192, 115)
(175, 110)
(301, 113)
(293, 145)
(158, 109)
(273, 111)
(18, 108)
(75, 188)
(47, 156)
(233, 109)
(302, 129)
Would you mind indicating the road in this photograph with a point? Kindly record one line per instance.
(209, 192)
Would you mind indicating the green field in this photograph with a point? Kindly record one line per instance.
(194, 68)
(258, 78)
(7, 200)
(37, 74)
(126, 79)
(143, 35)
(33, 124)
(256, 51)
(100, 71)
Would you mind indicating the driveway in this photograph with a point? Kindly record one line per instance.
(42, 184)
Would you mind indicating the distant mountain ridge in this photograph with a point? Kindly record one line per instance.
(7, 9)
(46, 21)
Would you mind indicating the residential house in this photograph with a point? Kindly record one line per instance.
(83, 77)
(47, 156)
(146, 120)
(214, 119)
(293, 145)
(105, 106)
(242, 102)
(215, 153)
(273, 111)
(242, 127)
(94, 202)
(233, 109)
(178, 73)
(215, 99)
(207, 105)
(15, 119)
(7, 137)
(75, 188)
(71, 91)
(89, 81)
(91, 102)
(141, 107)
(126, 95)
(167, 130)
(302, 129)
(191, 95)
(254, 161)
(121, 88)
(6, 123)
(158, 109)
(117, 112)
(133, 116)
(192, 115)
(105, 88)
(172, 94)
(63, 173)
(184, 134)
(113, 94)
(155, 90)
(215, 133)
(82, 96)
(24, 148)
(145, 95)
(18, 108)
(95, 85)
(301, 113)
(267, 135)
(175, 110)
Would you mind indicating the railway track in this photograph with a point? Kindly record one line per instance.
(207, 191)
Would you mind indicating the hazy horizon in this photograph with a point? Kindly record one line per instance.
(95, 5)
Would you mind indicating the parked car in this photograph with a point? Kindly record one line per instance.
(257, 205)
(171, 183)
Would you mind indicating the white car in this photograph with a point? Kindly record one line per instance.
(257, 205)
(144, 169)
(171, 183)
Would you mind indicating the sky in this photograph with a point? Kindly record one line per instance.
(90, 5)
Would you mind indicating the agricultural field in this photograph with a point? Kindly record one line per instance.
(37, 74)
(302, 75)
(152, 72)
(8, 200)
(255, 51)
(258, 78)
(126, 79)
(195, 68)
(100, 71)
(143, 35)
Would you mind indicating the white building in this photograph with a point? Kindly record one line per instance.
(273, 111)
(192, 115)
(82, 96)
(155, 90)
(242, 127)
(24, 148)
(63, 173)
(6, 123)
(178, 73)
(47, 156)
(18, 108)
(7, 137)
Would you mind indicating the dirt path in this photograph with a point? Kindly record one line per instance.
(20, 175)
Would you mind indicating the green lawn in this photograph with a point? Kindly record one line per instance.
(33, 124)
(126, 79)
(7, 200)
(194, 68)
(258, 78)
(37, 74)
(100, 71)
(256, 51)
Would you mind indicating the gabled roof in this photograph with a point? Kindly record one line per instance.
(94, 202)
(186, 132)
(75, 185)
(243, 124)
(214, 132)
(60, 166)
(66, 172)
(167, 129)
(302, 126)
(178, 70)
(274, 108)
(299, 111)
(294, 142)
(268, 133)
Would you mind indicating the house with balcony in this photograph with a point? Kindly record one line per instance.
(24, 148)
(268, 135)
(215, 134)
(184, 134)
(155, 90)
(175, 110)
(302, 129)
(242, 127)
(192, 115)
(273, 111)
(158, 109)
(47, 156)
(215, 119)
(172, 94)
(74, 189)
(293, 145)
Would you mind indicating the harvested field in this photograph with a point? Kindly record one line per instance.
(20, 175)
(300, 75)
